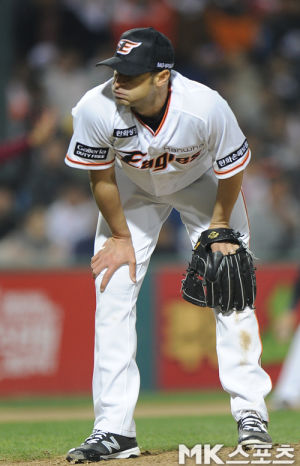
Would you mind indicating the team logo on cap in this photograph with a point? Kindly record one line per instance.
(125, 46)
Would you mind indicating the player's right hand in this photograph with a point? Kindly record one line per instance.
(114, 253)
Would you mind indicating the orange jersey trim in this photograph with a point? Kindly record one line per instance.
(163, 118)
(234, 168)
(247, 215)
(87, 163)
(165, 115)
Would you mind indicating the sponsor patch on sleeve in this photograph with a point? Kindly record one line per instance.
(90, 153)
(125, 132)
(234, 156)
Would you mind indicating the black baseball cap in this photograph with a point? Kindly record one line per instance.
(141, 50)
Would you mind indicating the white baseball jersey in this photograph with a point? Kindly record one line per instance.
(197, 131)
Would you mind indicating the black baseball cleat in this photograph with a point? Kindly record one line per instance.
(102, 445)
(253, 430)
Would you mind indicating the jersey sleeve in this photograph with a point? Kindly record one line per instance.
(89, 148)
(226, 142)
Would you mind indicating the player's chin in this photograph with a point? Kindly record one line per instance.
(122, 100)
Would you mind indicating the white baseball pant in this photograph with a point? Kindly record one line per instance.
(116, 377)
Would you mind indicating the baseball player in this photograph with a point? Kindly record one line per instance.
(152, 141)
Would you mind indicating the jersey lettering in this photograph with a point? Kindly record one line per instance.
(234, 156)
(161, 162)
(88, 152)
(147, 164)
(126, 132)
(183, 149)
(135, 159)
(182, 160)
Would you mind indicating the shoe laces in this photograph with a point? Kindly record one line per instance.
(252, 421)
(96, 436)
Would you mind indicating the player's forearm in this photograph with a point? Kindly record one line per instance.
(227, 194)
(106, 194)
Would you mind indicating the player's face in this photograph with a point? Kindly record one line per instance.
(130, 90)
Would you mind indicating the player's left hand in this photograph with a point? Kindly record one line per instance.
(114, 253)
(224, 247)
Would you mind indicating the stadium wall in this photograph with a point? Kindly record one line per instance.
(47, 330)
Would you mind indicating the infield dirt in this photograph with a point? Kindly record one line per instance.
(160, 458)
(151, 410)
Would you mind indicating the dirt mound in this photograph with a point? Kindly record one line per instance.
(171, 458)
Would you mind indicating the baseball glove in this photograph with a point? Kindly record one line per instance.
(218, 281)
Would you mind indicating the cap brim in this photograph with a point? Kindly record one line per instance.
(123, 67)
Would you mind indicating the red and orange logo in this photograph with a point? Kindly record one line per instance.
(125, 46)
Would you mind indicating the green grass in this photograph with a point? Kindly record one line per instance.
(86, 401)
(184, 397)
(39, 440)
(45, 402)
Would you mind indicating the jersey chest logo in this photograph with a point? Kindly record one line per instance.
(125, 46)
(138, 159)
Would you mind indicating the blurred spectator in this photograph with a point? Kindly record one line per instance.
(159, 14)
(167, 243)
(99, 74)
(95, 16)
(241, 74)
(280, 30)
(63, 82)
(71, 218)
(283, 81)
(188, 7)
(231, 25)
(49, 174)
(29, 246)
(55, 24)
(275, 224)
(8, 211)
(42, 130)
(247, 50)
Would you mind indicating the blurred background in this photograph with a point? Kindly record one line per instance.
(248, 50)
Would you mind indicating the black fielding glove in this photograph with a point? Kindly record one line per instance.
(218, 281)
